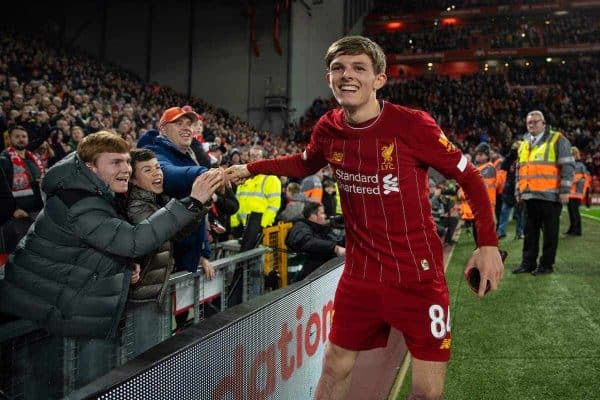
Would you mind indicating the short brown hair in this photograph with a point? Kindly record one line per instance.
(17, 128)
(293, 187)
(140, 155)
(101, 142)
(355, 45)
(311, 208)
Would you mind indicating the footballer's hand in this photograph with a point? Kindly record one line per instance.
(237, 173)
(226, 184)
(488, 261)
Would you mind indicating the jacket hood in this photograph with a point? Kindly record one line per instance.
(153, 139)
(147, 138)
(71, 173)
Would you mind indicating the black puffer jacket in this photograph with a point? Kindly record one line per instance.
(72, 271)
(314, 241)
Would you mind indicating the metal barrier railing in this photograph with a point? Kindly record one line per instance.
(37, 365)
(272, 347)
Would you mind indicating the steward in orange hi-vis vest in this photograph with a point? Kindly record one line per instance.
(581, 179)
(540, 173)
(487, 171)
(580, 184)
(544, 179)
(500, 175)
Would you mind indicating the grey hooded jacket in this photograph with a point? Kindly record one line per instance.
(71, 273)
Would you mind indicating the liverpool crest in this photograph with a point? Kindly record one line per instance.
(386, 154)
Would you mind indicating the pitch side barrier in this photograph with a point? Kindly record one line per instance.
(268, 348)
(37, 365)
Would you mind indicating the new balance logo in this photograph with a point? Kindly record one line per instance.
(446, 344)
(390, 184)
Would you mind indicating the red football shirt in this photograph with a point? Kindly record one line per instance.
(381, 171)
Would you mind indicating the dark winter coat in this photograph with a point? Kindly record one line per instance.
(313, 240)
(180, 171)
(72, 271)
(156, 266)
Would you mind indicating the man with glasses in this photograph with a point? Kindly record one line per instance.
(544, 177)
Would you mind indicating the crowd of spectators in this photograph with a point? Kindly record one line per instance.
(319, 106)
(494, 32)
(391, 7)
(59, 94)
(572, 30)
(424, 41)
(491, 105)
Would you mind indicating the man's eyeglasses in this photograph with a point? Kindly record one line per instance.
(534, 121)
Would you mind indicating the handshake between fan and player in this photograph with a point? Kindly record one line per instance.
(237, 174)
(216, 180)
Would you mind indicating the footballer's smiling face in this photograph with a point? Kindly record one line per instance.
(353, 80)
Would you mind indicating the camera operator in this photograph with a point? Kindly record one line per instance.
(441, 206)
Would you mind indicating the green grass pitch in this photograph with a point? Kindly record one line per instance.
(534, 338)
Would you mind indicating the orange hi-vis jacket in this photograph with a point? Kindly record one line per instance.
(466, 214)
(500, 176)
(312, 187)
(581, 181)
(488, 172)
(546, 169)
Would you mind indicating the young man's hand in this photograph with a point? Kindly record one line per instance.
(135, 274)
(488, 261)
(206, 184)
(237, 173)
(20, 214)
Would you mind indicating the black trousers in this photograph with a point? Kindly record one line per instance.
(498, 208)
(450, 223)
(540, 216)
(574, 217)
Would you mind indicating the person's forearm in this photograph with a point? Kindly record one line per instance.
(293, 166)
(474, 188)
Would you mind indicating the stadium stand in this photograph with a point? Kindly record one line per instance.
(49, 89)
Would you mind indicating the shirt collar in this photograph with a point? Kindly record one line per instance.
(535, 139)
